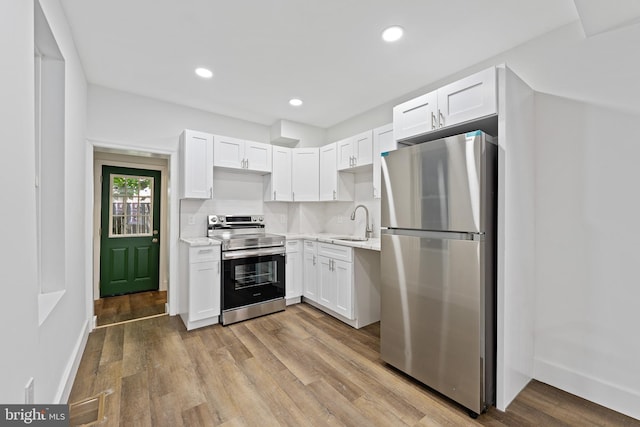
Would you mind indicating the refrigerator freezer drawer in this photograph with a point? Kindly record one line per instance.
(432, 316)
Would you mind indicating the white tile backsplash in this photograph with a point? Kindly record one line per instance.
(242, 192)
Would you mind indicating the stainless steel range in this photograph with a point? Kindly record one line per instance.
(253, 267)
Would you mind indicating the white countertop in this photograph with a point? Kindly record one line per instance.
(200, 241)
(371, 244)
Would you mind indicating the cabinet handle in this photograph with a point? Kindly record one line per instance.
(334, 194)
(433, 121)
(210, 192)
(440, 118)
(247, 163)
(293, 196)
(374, 191)
(274, 195)
(314, 260)
(218, 268)
(355, 161)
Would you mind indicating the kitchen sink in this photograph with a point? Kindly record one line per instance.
(349, 238)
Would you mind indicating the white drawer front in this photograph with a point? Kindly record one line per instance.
(293, 246)
(204, 253)
(338, 252)
(310, 246)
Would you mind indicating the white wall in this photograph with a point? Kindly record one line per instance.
(50, 352)
(128, 119)
(585, 204)
(19, 304)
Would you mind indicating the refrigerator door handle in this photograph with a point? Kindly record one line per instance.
(428, 234)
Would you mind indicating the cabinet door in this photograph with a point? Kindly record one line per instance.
(326, 283)
(345, 153)
(415, 117)
(196, 162)
(228, 152)
(328, 173)
(382, 142)
(310, 273)
(281, 174)
(363, 149)
(293, 279)
(204, 290)
(343, 276)
(468, 99)
(257, 156)
(305, 174)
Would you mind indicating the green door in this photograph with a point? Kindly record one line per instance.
(129, 236)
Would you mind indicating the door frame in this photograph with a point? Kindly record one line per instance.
(135, 157)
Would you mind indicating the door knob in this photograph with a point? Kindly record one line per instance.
(154, 240)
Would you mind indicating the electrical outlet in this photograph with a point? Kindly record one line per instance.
(29, 392)
(340, 219)
(192, 220)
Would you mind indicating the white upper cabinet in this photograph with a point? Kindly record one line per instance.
(196, 165)
(383, 142)
(278, 184)
(305, 174)
(333, 184)
(467, 99)
(234, 153)
(416, 116)
(257, 156)
(355, 151)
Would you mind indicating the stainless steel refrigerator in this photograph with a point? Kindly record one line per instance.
(438, 253)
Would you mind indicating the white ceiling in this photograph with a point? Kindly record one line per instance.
(263, 52)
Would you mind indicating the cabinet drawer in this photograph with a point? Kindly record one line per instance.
(310, 246)
(293, 246)
(337, 252)
(204, 253)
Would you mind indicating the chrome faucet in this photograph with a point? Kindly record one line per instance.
(368, 231)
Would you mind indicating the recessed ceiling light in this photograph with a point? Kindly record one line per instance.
(204, 73)
(295, 102)
(392, 34)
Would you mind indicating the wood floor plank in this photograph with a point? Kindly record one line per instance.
(198, 416)
(297, 367)
(165, 410)
(113, 345)
(135, 404)
(223, 407)
(284, 409)
(338, 405)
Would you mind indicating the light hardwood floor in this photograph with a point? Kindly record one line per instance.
(295, 368)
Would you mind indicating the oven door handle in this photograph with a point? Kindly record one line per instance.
(253, 252)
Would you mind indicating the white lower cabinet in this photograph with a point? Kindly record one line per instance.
(310, 270)
(346, 284)
(335, 278)
(200, 285)
(293, 279)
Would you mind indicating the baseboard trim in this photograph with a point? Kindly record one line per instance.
(70, 371)
(612, 396)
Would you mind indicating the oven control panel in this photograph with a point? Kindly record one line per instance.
(236, 219)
